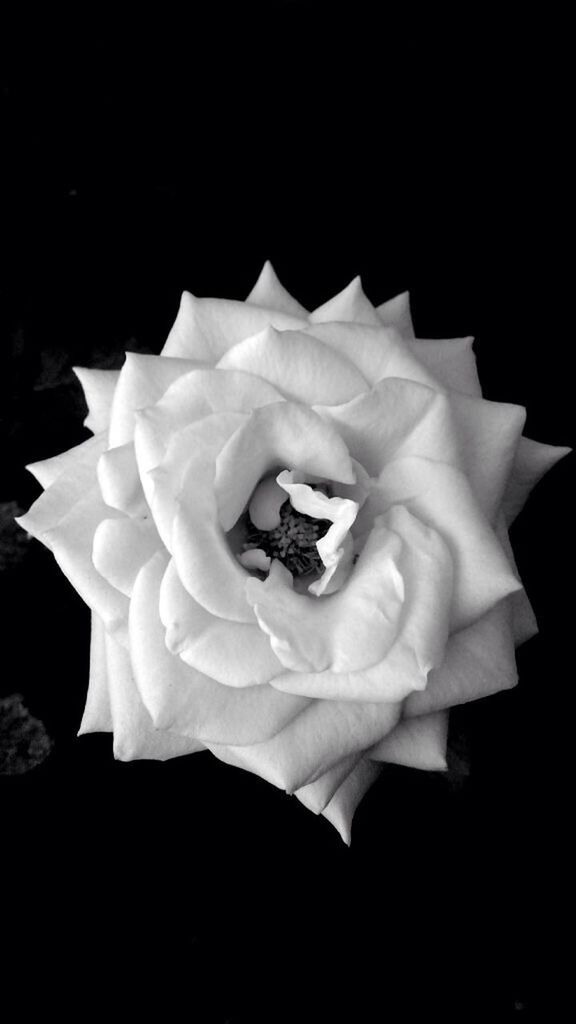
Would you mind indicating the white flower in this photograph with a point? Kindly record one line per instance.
(292, 531)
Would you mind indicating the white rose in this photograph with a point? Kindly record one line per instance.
(292, 531)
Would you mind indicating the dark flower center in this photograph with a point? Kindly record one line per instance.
(292, 542)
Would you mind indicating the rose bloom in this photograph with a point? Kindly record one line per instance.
(292, 531)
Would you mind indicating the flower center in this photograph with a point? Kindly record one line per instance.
(292, 542)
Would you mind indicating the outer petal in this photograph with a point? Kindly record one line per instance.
(97, 715)
(441, 496)
(378, 352)
(396, 313)
(233, 653)
(350, 304)
(206, 328)
(120, 482)
(318, 794)
(99, 387)
(179, 697)
(533, 460)
(451, 361)
(479, 661)
(298, 365)
(75, 466)
(340, 811)
(418, 742)
(396, 418)
(143, 380)
(121, 547)
(324, 734)
(283, 434)
(270, 294)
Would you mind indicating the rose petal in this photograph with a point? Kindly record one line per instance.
(479, 661)
(181, 698)
(418, 742)
(233, 653)
(396, 418)
(318, 794)
(75, 466)
(418, 638)
(323, 735)
(451, 361)
(350, 304)
(441, 496)
(135, 735)
(97, 715)
(378, 352)
(532, 461)
(205, 329)
(396, 313)
(99, 387)
(143, 380)
(298, 365)
(121, 547)
(524, 625)
(119, 480)
(269, 293)
(489, 433)
(340, 811)
(283, 434)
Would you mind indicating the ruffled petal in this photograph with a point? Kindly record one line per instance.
(300, 366)
(350, 304)
(441, 496)
(233, 653)
(396, 313)
(451, 361)
(135, 735)
(119, 480)
(97, 715)
(479, 660)
(179, 697)
(418, 742)
(320, 737)
(121, 547)
(378, 352)
(99, 387)
(143, 380)
(205, 329)
(532, 461)
(395, 418)
(269, 293)
(423, 569)
(341, 809)
(489, 434)
(283, 434)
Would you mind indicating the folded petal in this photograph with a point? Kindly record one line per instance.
(395, 418)
(179, 697)
(325, 733)
(479, 660)
(489, 434)
(282, 434)
(99, 387)
(143, 380)
(233, 653)
(441, 496)
(396, 313)
(451, 361)
(271, 294)
(377, 352)
(532, 461)
(119, 480)
(300, 366)
(121, 547)
(418, 636)
(340, 811)
(75, 466)
(135, 735)
(418, 742)
(97, 715)
(205, 329)
(524, 625)
(318, 794)
(350, 304)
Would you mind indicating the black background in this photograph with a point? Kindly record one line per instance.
(147, 156)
